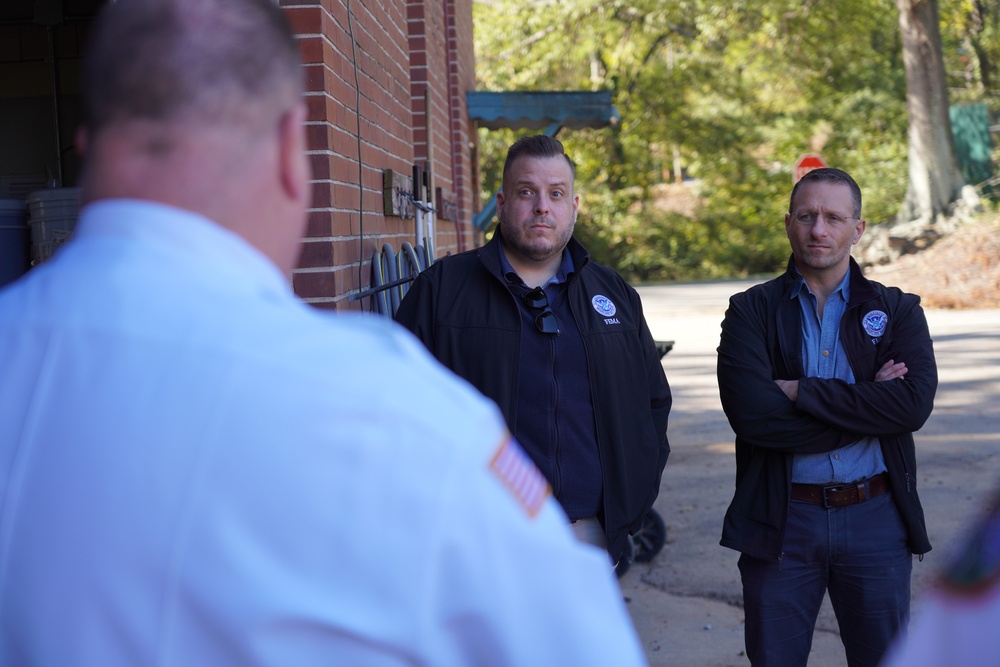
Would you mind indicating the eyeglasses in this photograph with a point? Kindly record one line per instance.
(546, 320)
(832, 219)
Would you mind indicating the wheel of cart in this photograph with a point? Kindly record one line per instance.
(645, 543)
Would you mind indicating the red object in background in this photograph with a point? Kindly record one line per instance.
(805, 164)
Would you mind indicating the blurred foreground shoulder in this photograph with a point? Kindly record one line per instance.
(957, 624)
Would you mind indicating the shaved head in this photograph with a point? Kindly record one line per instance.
(197, 104)
(181, 62)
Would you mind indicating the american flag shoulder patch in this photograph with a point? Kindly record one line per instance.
(518, 473)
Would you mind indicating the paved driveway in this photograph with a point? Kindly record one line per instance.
(685, 602)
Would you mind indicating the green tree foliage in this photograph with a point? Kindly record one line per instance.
(970, 32)
(738, 90)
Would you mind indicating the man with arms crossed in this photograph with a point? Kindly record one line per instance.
(824, 376)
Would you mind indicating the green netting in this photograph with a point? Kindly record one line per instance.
(970, 127)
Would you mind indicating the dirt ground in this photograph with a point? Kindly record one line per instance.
(959, 271)
(686, 602)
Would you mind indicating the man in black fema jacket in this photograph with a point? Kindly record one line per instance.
(559, 343)
(824, 376)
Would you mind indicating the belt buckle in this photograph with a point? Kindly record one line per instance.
(832, 488)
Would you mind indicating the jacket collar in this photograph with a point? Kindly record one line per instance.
(489, 255)
(789, 313)
(862, 290)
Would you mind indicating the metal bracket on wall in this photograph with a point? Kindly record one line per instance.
(397, 195)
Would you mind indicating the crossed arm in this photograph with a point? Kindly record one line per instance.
(889, 371)
(758, 410)
(811, 415)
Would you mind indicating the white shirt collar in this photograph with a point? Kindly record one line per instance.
(184, 235)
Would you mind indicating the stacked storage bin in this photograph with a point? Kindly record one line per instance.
(52, 215)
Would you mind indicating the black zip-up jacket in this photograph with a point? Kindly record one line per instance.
(462, 310)
(762, 342)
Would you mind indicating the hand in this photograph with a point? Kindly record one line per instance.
(891, 371)
(790, 387)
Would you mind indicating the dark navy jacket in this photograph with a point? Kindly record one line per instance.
(462, 310)
(762, 342)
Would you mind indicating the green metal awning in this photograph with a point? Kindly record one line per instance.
(534, 110)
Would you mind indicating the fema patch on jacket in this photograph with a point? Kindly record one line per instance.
(603, 305)
(874, 323)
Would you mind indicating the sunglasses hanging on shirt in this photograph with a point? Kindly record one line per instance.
(546, 320)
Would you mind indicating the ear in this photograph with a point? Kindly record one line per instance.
(859, 229)
(294, 163)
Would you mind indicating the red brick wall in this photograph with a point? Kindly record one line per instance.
(369, 67)
(442, 69)
(464, 139)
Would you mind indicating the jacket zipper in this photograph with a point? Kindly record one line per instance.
(555, 421)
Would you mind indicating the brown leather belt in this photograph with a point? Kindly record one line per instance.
(839, 495)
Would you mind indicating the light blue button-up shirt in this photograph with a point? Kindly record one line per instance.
(824, 356)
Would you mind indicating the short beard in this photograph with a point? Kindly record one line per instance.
(534, 254)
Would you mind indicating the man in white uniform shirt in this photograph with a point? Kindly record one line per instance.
(198, 469)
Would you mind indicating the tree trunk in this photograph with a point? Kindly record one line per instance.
(978, 20)
(935, 178)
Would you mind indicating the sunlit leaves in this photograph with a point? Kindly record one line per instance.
(738, 90)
